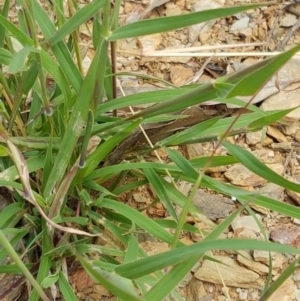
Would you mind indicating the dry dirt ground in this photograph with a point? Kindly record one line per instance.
(267, 27)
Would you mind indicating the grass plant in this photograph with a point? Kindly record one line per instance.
(57, 134)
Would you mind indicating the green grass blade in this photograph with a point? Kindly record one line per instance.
(138, 218)
(151, 26)
(190, 133)
(89, 91)
(65, 288)
(4, 12)
(253, 81)
(60, 50)
(272, 117)
(16, 32)
(256, 166)
(104, 149)
(156, 183)
(157, 262)
(14, 256)
(287, 273)
(5, 57)
(182, 163)
(120, 286)
(83, 15)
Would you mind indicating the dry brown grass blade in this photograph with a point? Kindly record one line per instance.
(23, 171)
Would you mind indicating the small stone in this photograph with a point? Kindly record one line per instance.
(247, 222)
(286, 235)
(262, 256)
(172, 9)
(245, 259)
(139, 197)
(243, 295)
(284, 99)
(180, 75)
(205, 27)
(290, 129)
(239, 175)
(296, 275)
(232, 273)
(289, 20)
(297, 136)
(275, 133)
(252, 138)
(240, 24)
(282, 146)
(285, 292)
(150, 42)
(297, 294)
(272, 191)
(212, 205)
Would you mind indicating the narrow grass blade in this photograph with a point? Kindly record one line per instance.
(65, 288)
(253, 81)
(151, 26)
(256, 166)
(280, 280)
(88, 92)
(269, 119)
(82, 16)
(182, 163)
(120, 286)
(104, 149)
(190, 133)
(5, 57)
(14, 256)
(60, 50)
(156, 183)
(138, 218)
(16, 32)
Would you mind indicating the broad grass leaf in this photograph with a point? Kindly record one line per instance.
(4, 152)
(50, 280)
(141, 98)
(115, 169)
(253, 81)
(271, 204)
(215, 161)
(138, 218)
(158, 25)
(4, 12)
(5, 57)
(269, 119)
(189, 134)
(65, 288)
(132, 252)
(182, 163)
(9, 213)
(256, 166)
(19, 60)
(16, 32)
(150, 264)
(14, 236)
